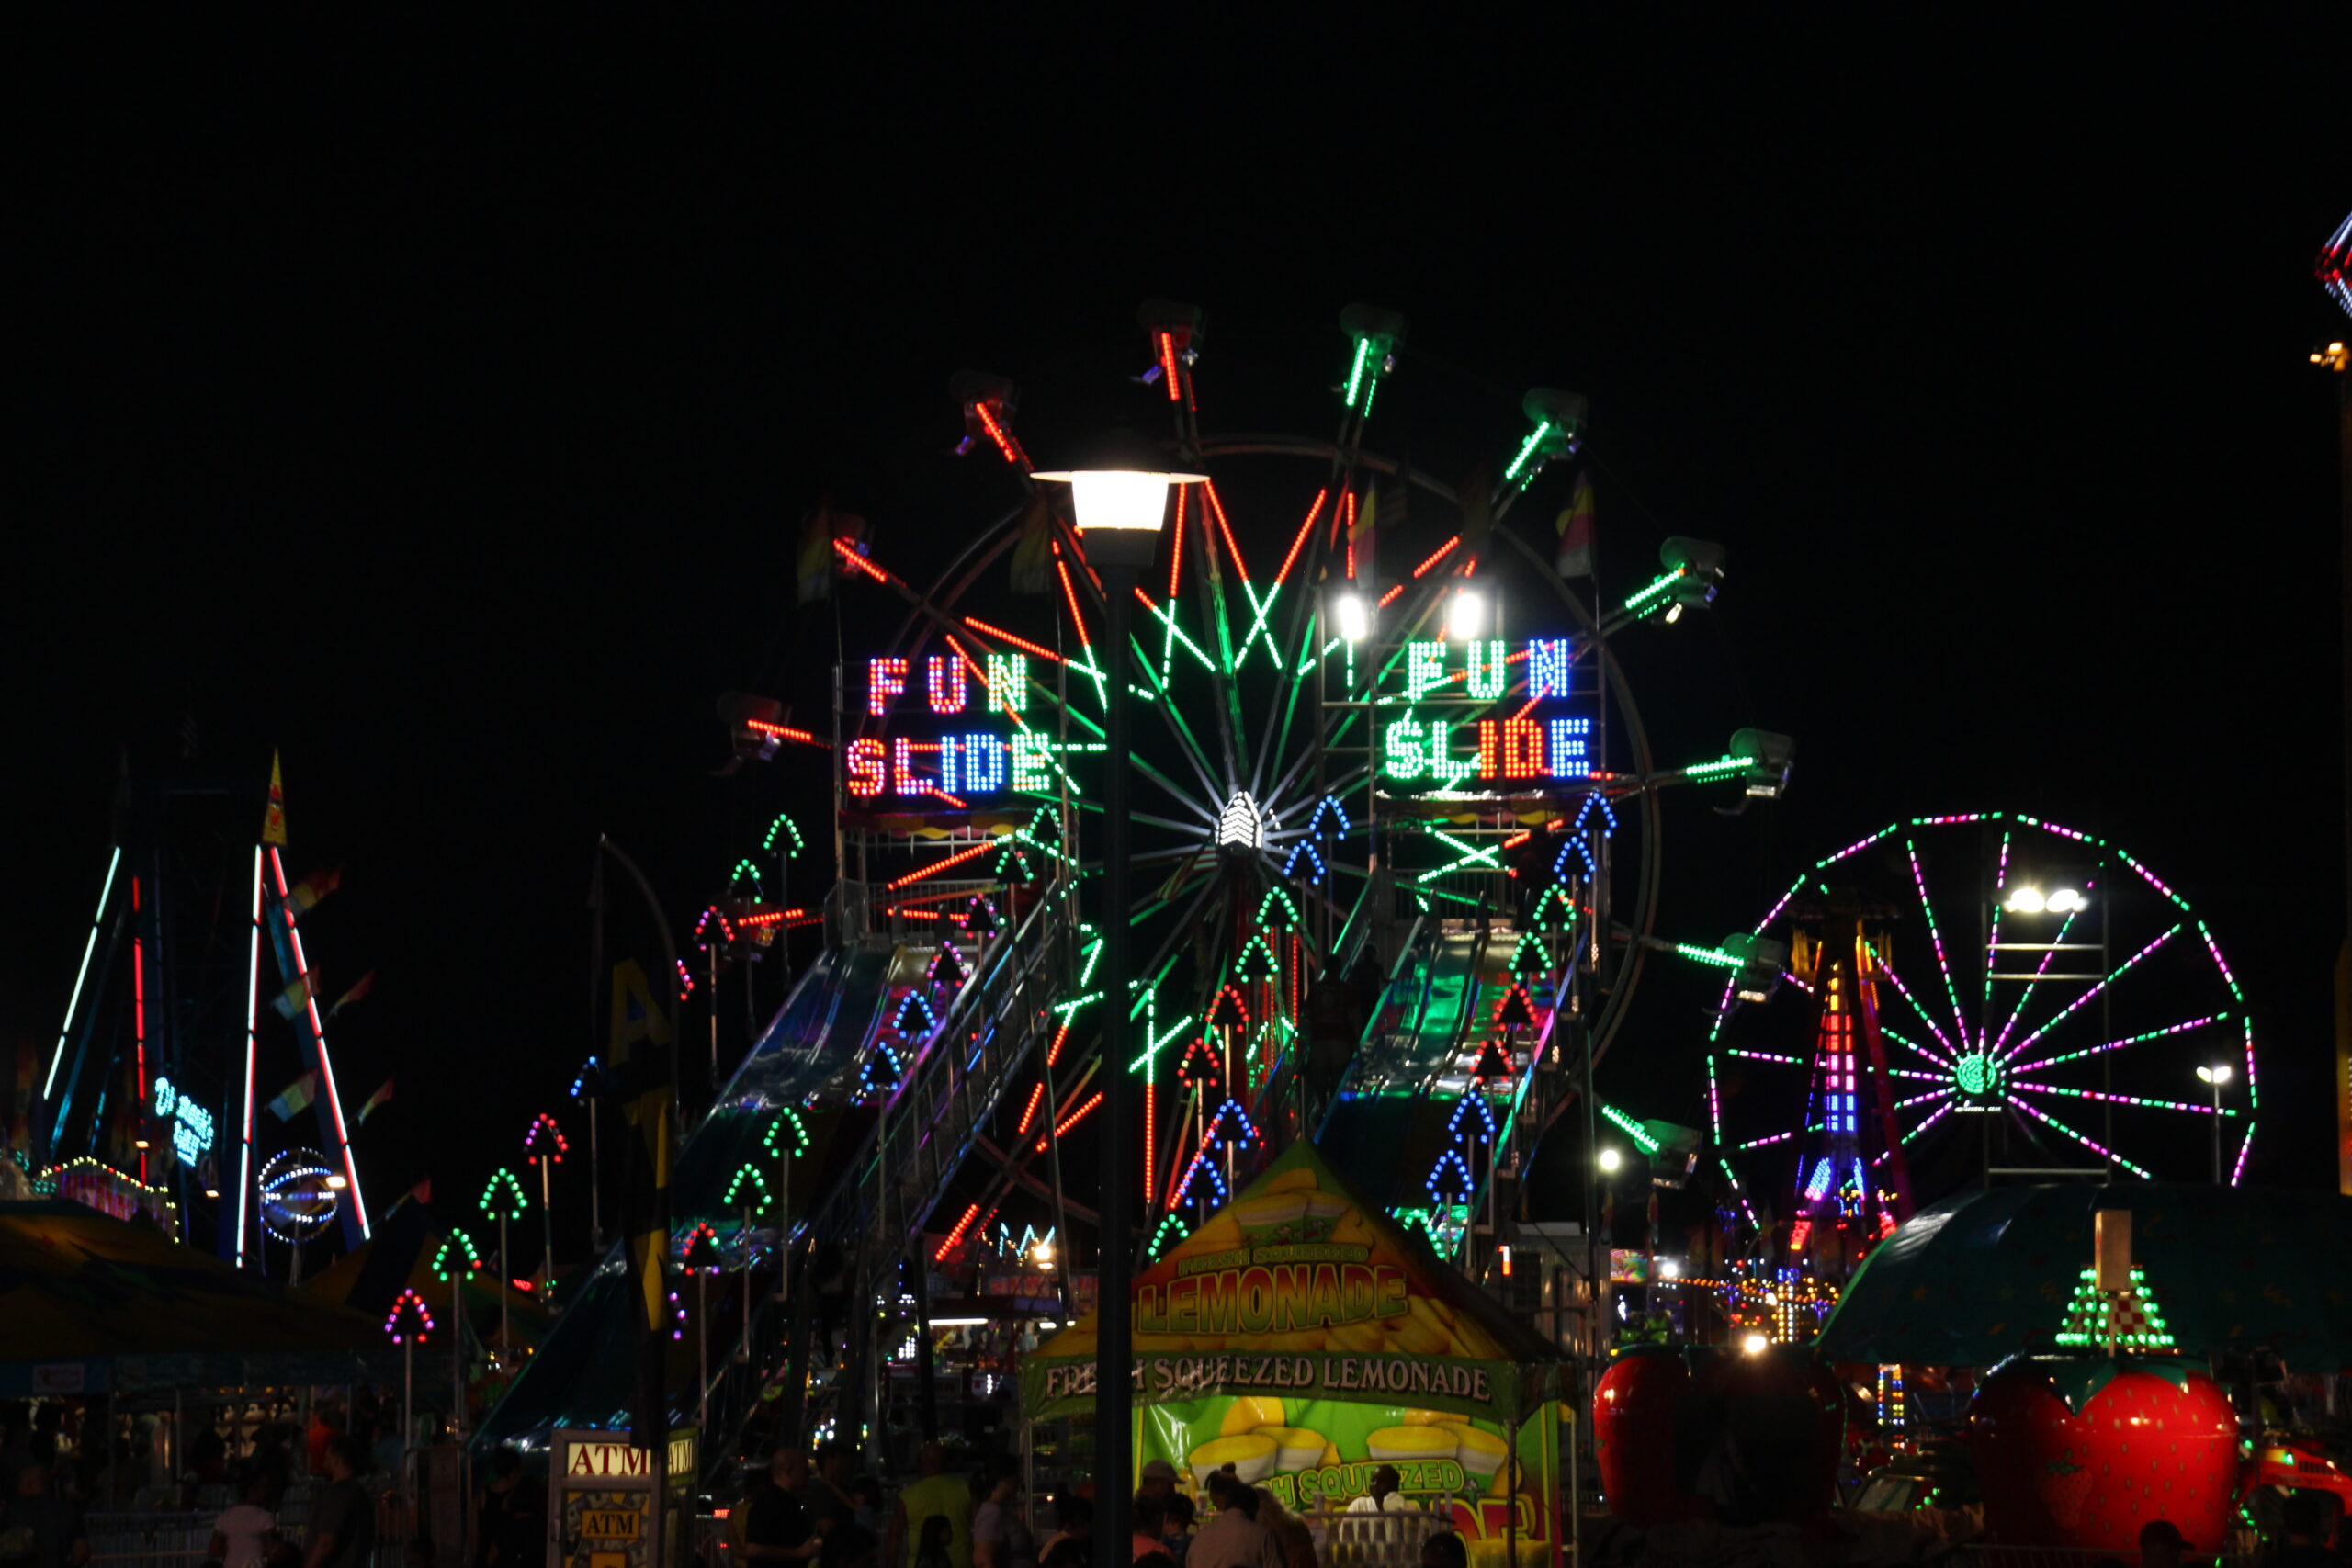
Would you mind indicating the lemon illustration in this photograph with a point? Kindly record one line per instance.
(1251, 1455)
(1326, 1205)
(1291, 1181)
(1481, 1453)
(1411, 1443)
(1427, 1417)
(1269, 1209)
(1295, 1447)
(1249, 1413)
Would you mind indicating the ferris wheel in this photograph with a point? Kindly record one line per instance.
(1356, 684)
(1988, 994)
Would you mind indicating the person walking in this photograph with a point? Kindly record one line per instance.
(343, 1520)
(1231, 1539)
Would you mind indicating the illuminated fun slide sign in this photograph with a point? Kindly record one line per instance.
(1426, 743)
(936, 708)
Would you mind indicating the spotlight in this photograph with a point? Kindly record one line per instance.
(1755, 1344)
(1610, 1159)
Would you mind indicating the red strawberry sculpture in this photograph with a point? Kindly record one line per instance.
(1636, 1407)
(2081, 1452)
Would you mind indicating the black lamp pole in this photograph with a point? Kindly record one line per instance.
(1114, 1393)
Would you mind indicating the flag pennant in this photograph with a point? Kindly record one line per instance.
(1032, 547)
(367, 982)
(296, 1097)
(1575, 527)
(382, 1095)
(293, 998)
(304, 895)
(273, 817)
(819, 562)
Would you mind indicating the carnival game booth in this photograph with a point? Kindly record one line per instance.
(1305, 1338)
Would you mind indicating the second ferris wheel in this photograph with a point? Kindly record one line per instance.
(1992, 995)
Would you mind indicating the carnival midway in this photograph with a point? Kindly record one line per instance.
(1244, 853)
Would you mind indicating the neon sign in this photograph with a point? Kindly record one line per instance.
(191, 1124)
(1424, 746)
(955, 765)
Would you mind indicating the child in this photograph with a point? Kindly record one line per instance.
(931, 1551)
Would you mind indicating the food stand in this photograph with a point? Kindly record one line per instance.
(1304, 1338)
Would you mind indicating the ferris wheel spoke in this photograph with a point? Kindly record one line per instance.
(2187, 1107)
(2025, 991)
(2117, 1044)
(1993, 931)
(1920, 880)
(2096, 1148)
(1172, 713)
(1927, 1098)
(1910, 1044)
(1905, 992)
(2116, 974)
(1938, 1114)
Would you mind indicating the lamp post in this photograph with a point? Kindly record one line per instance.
(1120, 495)
(2215, 1077)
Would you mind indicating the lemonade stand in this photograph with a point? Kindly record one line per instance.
(1305, 1338)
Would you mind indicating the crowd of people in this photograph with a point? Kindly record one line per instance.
(796, 1512)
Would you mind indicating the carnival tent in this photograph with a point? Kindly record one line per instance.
(93, 1303)
(1984, 1274)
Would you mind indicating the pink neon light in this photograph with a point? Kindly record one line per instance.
(139, 1010)
(2219, 961)
(1862, 844)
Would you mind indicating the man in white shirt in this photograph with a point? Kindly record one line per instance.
(1383, 1497)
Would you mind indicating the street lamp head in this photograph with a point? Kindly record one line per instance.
(1119, 492)
(1351, 616)
(1610, 1159)
(1466, 616)
(1755, 1344)
(2217, 1075)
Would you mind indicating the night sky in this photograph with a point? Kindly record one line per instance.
(439, 407)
